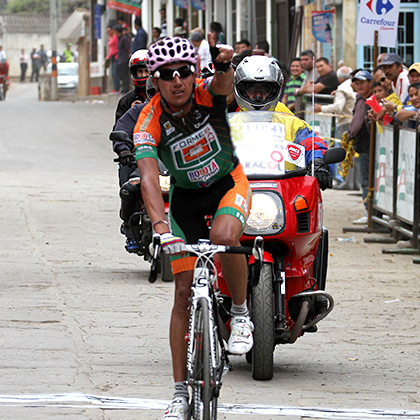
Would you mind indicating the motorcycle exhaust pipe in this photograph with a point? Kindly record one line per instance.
(297, 329)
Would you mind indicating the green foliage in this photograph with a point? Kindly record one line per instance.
(25, 6)
(41, 6)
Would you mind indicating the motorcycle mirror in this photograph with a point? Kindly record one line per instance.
(120, 136)
(334, 155)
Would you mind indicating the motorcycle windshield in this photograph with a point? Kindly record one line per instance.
(261, 145)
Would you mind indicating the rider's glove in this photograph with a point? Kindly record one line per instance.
(220, 67)
(322, 174)
(125, 157)
(171, 244)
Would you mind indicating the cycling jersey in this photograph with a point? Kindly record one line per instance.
(197, 149)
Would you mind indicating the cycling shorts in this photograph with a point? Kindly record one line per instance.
(189, 208)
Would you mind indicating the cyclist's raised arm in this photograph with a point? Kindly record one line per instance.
(222, 82)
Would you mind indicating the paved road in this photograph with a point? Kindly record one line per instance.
(78, 317)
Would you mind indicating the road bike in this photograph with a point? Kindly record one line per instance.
(207, 357)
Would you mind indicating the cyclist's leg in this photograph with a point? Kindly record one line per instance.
(179, 324)
(227, 228)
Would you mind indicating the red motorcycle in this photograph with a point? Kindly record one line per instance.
(286, 294)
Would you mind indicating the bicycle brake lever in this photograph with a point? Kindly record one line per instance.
(154, 266)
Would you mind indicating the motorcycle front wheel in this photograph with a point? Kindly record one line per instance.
(262, 315)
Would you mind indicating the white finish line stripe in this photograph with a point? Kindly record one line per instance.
(79, 400)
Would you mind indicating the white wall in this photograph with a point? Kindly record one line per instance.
(13, 43)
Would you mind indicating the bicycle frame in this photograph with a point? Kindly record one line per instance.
(207, 359)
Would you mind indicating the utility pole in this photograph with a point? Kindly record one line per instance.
(53, 26)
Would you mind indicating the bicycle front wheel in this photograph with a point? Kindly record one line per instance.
(203, 373)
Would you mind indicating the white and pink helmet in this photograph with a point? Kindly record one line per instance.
(170, 50)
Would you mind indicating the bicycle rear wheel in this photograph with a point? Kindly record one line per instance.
(203, 373)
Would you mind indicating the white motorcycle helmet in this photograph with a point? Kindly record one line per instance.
(261, 77)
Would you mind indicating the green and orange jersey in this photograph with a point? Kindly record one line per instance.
(197, 149)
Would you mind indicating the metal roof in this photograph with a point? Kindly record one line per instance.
(22, 23)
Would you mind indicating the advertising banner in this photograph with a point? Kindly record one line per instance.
(381, 16)
(132, 7)
(183, 4)
(322, 26)
(199, 4)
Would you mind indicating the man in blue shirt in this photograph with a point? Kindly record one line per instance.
(140, 40)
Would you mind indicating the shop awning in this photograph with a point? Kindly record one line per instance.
(133, 7)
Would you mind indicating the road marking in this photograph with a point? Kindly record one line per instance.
(80, 400)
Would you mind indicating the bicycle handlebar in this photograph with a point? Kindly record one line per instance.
(206, 247)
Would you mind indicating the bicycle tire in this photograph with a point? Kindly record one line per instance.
(203, 375)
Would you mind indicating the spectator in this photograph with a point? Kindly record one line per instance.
(378, 91)
(327, 81)
(23, 65)
(344, 101)
(264, 46)
(180, 31)
(378, 76)
(140, 40)
(111, 58)
(2, 54)
(123, 58)
(156, 33)
(36, 64)
(306, 61)
(216, 28)
(295, 81)
(413, 109)
(394, 71)
(43, 57)
(163, 25)
(343, 105)
(242, 45)
(203, 47)
(380, 58)
(360, 131)
(414, 73)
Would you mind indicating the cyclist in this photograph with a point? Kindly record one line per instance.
(258, 85)
(185, 125)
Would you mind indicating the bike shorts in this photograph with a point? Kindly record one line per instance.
(188, 210)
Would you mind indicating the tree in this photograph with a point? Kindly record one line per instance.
(42, 6)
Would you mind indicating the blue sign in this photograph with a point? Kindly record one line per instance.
(97, 21)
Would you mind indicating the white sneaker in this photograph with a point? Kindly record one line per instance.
(362, 221)
(240, 340)
(177, 409)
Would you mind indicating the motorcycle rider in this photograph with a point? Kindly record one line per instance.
(185, 123)
(128, 173)
(139, 74)
(131, 201)
(258, 86)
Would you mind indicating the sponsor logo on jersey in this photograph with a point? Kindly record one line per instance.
(143, 138)
(169, 129)
(197, 149)
(242, 203)
(203, 174)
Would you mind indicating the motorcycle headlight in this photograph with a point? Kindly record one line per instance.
(165, 183)
(266, 215)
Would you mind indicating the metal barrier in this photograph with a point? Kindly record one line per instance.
(396, 192)
(396, 196)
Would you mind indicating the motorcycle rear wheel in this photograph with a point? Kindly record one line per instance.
(262, 315)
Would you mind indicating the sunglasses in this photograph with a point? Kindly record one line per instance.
(170, 74)
(382, 79)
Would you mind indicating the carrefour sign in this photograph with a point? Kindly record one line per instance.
(381, 16)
